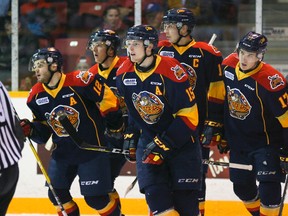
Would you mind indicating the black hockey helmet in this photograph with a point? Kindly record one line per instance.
(50, 55)
(109, 37)
(181, 16)
(146, 33)
(253, 42)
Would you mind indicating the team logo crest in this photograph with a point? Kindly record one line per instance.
(178, 72)
(239, 106)
(85, 76)
(148, 105)
(53, 121)
(192, 76)
(275, 81)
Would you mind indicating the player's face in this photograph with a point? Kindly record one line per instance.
(136, 50)
(247, 60)
(42, 73)
(99, 50)
(171, 32)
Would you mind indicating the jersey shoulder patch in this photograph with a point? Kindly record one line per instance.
(270, 78)
(171, 68)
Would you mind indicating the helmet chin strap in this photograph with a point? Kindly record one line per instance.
(180, 37)
(145, 56)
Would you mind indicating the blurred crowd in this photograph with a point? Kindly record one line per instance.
(66, 24)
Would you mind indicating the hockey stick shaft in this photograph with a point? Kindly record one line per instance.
(283, 196)
(212, 39)
(40, 164)
(208, 162)
(82, 144)
(230, 165)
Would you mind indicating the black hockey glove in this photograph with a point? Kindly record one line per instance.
(114, 133)
(131, 137)
(283, 154)
(223, 147)
(27, 127)
(157, 150)
(212, 133)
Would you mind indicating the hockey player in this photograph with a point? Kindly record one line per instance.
(104, 45)
(161, 102)
(76, 95)
(256, 125)
(202, 61)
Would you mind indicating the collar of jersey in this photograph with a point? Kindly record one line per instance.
(54, 92)
(105, 73)
(241, 75)
(145, 75)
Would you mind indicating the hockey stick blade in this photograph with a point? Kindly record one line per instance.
(230, 165)
(82, 144)
(283, 196)
(131, 186)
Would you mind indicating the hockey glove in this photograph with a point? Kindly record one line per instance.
(157, 150)
(114, 133)
(27, 127)
(131, 137)
(283, 154)
(223, 147)
(212, 133)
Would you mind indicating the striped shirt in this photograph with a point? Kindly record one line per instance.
(10, 142)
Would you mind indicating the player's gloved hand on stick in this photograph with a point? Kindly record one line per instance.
(114, 133)
(223, 147)
(157, 150)
(131, 137)
(212, 133)
(27, 127)
(283, 154)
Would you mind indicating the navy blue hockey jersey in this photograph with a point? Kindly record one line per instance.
(160, 100)
(256, 111)
(76, 95)
(203, 65)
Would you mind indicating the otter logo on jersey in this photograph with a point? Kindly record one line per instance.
(192, 76)
(85, 76)
(178, 72)
(239, 106)
(53, 121)
(275, 81)
(149, 106)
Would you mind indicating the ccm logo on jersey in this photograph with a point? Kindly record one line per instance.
(167, 53)
(41, 101)
(229, 75)
(275, 81)
(130, 82)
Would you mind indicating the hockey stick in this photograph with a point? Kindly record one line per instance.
(212, 39)
(40, 164)
(283, 196)
(205, 161)
(230, 165)
(82, 144)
